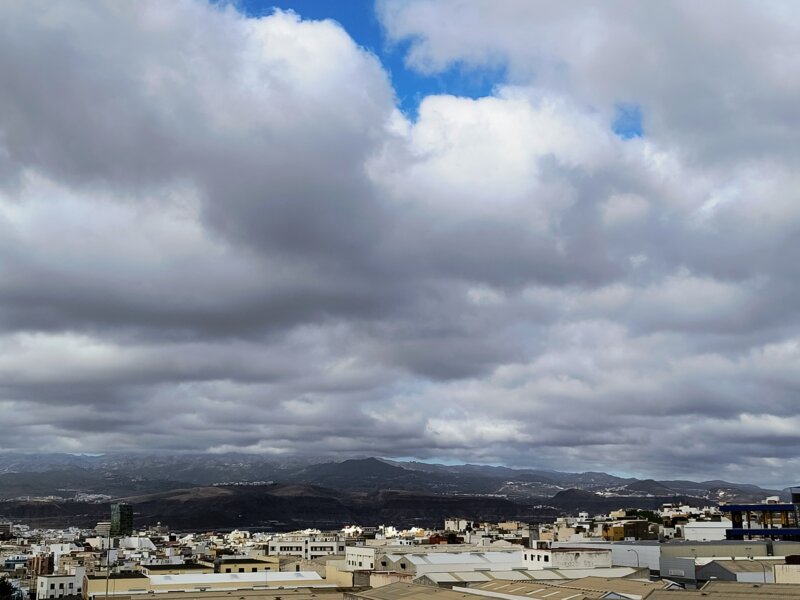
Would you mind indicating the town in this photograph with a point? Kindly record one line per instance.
(677, 551)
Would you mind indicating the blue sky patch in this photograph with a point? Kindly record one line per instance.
(628, 121)
(360, 21)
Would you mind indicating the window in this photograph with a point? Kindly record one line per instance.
(255, 570)
(402, 565)
(383, 563)
(546, 558)
(227, 570)
(241, 569)
(52, 586)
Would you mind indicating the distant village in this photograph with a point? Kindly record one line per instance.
(722, 551)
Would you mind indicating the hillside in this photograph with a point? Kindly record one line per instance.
(235, 490)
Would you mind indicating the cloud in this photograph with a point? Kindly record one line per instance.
(219, 233)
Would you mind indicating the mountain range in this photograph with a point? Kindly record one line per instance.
(244, 490)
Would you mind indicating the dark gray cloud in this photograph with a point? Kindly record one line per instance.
(219, 233)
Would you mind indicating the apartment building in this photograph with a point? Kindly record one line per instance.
(307, 546)
(58, 586)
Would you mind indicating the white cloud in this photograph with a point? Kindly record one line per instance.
(205, 216)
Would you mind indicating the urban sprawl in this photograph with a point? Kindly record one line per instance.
(725, 551)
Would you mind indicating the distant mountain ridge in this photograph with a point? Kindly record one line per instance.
(131, 474)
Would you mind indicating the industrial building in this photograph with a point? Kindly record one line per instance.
(772, 519)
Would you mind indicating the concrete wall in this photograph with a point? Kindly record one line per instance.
(270, 563)
(566, 558)
(722, 572)
(787, 573)
(177, 570)
(381, 579)
(716, 550)
(677, 568)
(705, 531)
(57, 586)
(781, 548)
(116, 585)
(359, 557)
(336, 574)
(624, 555)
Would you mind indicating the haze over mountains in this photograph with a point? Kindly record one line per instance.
(246, 490)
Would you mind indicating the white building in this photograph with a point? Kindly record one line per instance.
(457, 525)
(705, 531)
(542, 556)
(307, 546)
(358, 558)
(136, 543)
(641, 553)
(58, 586)
(442, 562)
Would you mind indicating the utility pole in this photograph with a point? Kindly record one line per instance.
(108, 560)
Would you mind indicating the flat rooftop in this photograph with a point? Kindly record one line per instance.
(262, 594)
(757, 507)
(410, 591)
(264, 577)
(125, 575)
(243, 560)
(729, 590)
(181, 567)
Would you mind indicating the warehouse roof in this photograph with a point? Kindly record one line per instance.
(267, 577)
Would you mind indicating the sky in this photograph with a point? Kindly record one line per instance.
(538, 234)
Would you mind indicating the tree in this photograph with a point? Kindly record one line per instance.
(649, 515)
(7, 591)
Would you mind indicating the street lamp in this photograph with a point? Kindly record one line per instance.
(763, 568)
(637, 556)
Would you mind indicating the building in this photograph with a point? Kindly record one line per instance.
(770, 519)
(177, 569)
(306, 545)
(244, 564)
(136, 583)
(787, 573)
(543, 556)
(638, 554)
(404, 591)
(360, 557)
(422, 563)
(278, 593)
(725, 590)
(632, 529)
(58, 586)
(743, 570)
(705, 531)
(586, 587)
(121, 519)
(129, 582)
(591, 588)
(41, 564)
(679, 560)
